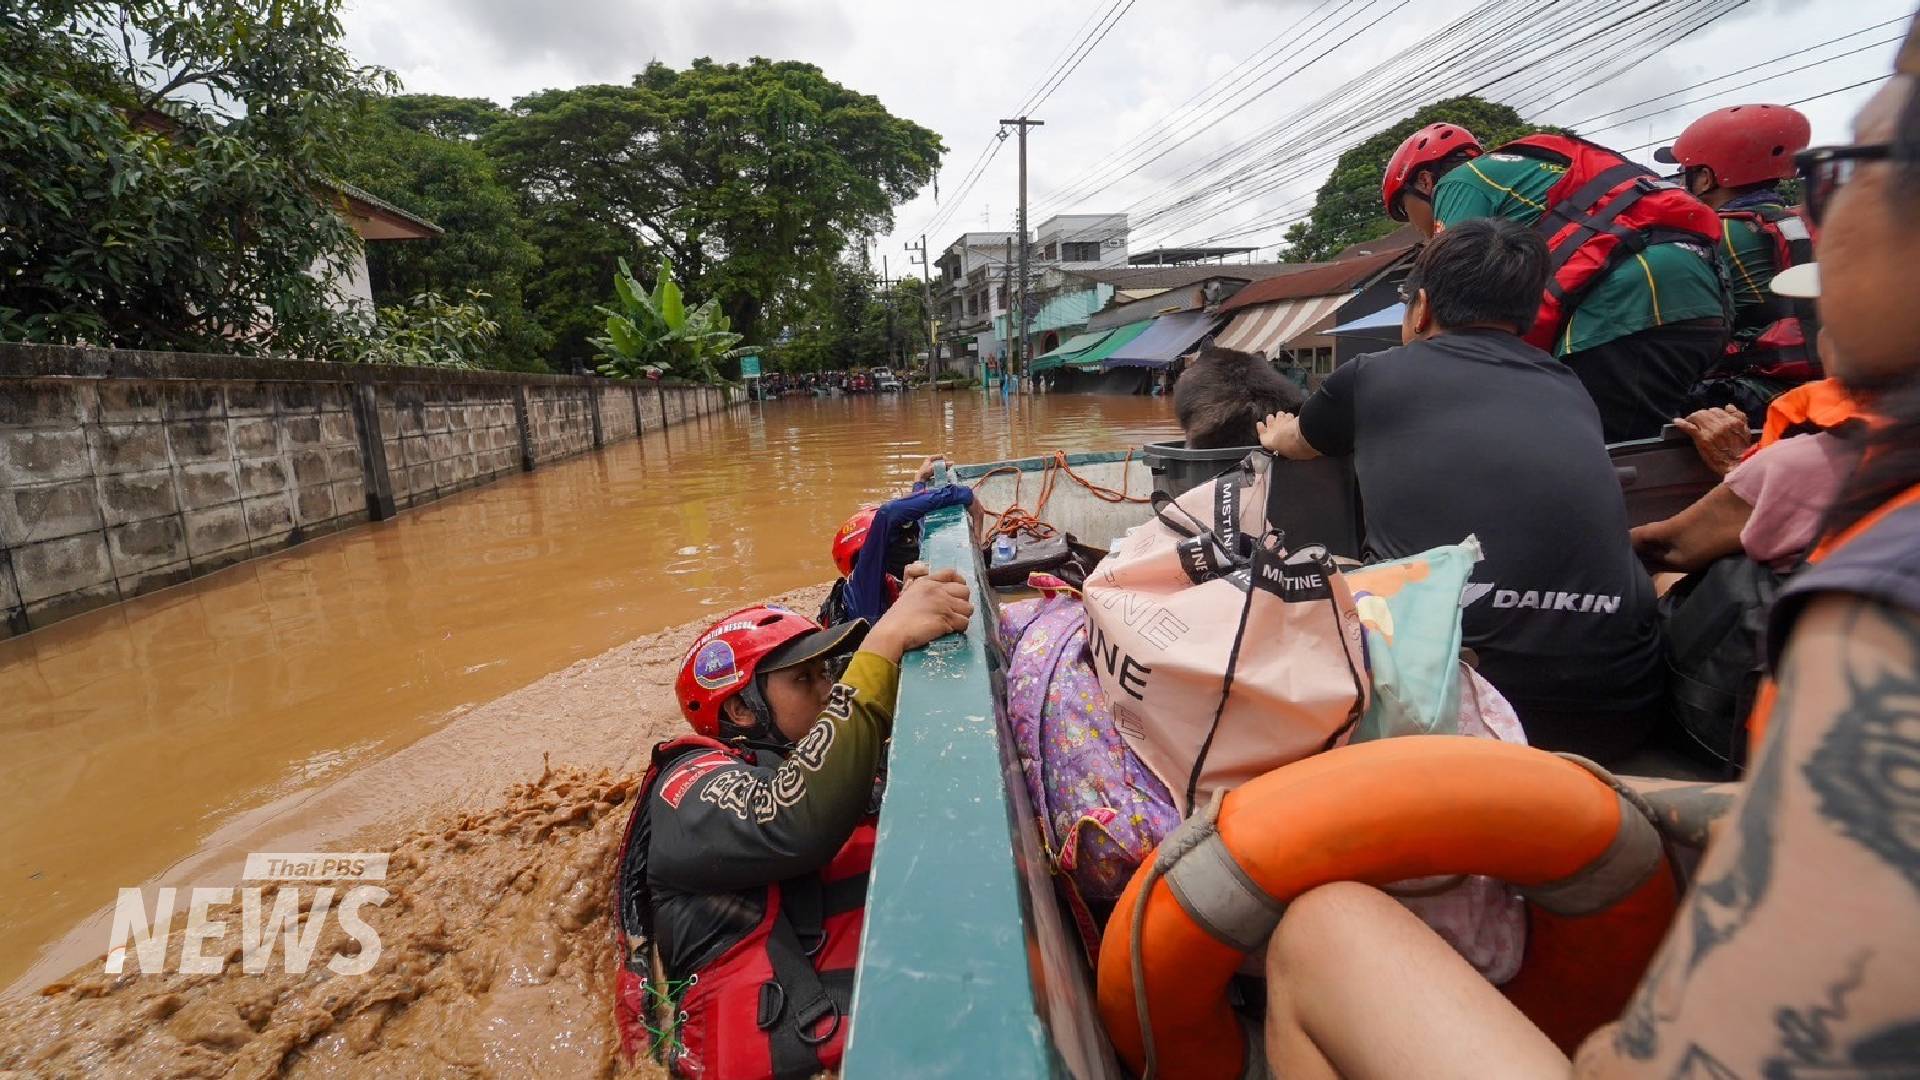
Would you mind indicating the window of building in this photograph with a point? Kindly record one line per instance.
(1080, 252)
(1000, 297)
(1048, 251)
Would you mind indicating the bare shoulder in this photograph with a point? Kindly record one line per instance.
(1794, 953)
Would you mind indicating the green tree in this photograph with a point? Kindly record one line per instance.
(448, 117)
(158, 171)
(753, 178)
(1347, 210)
(419, 152)
(654, 332)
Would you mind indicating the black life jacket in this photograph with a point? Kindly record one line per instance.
(772, 1005)
(1716, 654)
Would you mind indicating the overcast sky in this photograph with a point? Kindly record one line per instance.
(958, 68)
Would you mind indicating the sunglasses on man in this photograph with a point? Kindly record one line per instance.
(1824, 170)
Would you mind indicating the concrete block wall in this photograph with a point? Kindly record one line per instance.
(123, 472)
(653, 407)
(444, 437)
(109, 490)
(559, 420)
(617, 411)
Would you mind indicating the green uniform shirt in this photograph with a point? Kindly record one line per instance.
(1748, 254)
(1666, 283)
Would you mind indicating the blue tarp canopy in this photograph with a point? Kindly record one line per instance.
(1383, 324)
(1163, 341)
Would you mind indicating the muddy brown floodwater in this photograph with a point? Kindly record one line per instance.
(361, 684)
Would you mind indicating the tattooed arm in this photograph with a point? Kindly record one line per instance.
(1796, 953)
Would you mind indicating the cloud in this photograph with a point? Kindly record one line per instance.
(957, 70)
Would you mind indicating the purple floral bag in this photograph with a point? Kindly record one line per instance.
(1102, 809)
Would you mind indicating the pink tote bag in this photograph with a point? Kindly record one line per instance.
(1223, 655)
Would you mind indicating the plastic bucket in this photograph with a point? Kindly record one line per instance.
(1309, 502)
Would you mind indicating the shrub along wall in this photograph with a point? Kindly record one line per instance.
(124, 472)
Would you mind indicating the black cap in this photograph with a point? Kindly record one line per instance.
(1664, 155)
(835, 640)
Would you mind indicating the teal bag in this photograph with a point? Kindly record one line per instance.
(1410, 611)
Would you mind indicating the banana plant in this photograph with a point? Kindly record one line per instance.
(653, 332)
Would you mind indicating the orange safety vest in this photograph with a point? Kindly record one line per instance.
(1821, 405)
(1769, 690)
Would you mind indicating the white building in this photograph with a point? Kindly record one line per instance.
(373, 220)
(1081, 241)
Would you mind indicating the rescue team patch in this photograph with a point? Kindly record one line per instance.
(681, 780)
(715, 667)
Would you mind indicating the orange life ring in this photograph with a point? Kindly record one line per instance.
(1594, 870)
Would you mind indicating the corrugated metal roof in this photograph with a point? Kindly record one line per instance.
(378, 203)
(1324, 279)
(1140, 309)
(1173, 277)
(1266, 328)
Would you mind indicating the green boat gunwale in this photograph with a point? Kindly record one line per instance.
(968, 965)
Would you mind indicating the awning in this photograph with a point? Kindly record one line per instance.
(1087, 350)
(1267, 328)
(1383, 324)
(1068, 350)
(1163, 341)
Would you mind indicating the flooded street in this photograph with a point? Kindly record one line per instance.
(131, 733)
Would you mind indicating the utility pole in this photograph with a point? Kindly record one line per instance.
(926, 299)
(1012, 341)
(886, 297)
(1023, 124)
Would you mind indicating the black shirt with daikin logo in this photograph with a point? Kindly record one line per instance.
(1477, 433)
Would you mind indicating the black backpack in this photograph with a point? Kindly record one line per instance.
(1716, 653)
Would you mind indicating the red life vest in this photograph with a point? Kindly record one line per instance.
(773, 1005)
(1771, 339)
(1602, 212)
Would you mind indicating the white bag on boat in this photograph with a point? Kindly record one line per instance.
(1222, 656)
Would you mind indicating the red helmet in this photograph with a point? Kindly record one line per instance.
(1423, 147)
(1742, 144)
(724, 660)
(851, 538)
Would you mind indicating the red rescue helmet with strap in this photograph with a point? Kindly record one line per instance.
(1742, 144)
(724, 660)
(1424, 147)
(851, 538)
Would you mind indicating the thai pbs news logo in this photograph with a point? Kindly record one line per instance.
(280, 924)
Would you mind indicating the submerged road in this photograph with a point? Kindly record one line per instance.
(128, 734)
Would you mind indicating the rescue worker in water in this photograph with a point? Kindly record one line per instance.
(742, 876)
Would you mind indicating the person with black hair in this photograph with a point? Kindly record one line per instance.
(1225, 393)
(1635, 305)
(1793, 953)
(1466, 430)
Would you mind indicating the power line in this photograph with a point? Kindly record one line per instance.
(1162, 128)
(1744, 85)
(1666, 139)
(1084, 53)
(1064, 66)
(1059, 61)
